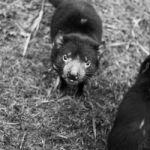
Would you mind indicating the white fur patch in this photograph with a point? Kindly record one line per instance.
(75, 67)
(142, 124)
(141, 127)
(83, 20)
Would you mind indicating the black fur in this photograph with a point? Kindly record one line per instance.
(56, 3)
(67, 19)
(75, 28)
(131, 130)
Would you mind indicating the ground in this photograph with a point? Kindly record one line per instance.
(33, 114)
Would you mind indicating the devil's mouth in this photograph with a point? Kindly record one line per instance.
(71, 82)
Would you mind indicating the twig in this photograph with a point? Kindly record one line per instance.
(23, 31)
(144, 49)
(94, 127)
(26, 44)
(93, 122)
(36, 22)
(117, 44)
(23, 139)
(32, 29)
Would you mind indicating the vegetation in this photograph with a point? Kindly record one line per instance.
(33, 114)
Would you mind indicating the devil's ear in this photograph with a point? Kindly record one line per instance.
(59, 40)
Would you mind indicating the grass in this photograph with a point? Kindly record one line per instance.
(34, 116)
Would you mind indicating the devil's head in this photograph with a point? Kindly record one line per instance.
(75, 57)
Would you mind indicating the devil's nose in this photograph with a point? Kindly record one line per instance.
(73, 76)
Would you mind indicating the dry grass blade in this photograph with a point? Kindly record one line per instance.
(93, 121)
(26, 44)
(26, 34)
(109, 26)
(57, 82)
(23, 32)
(36, 22)
(144, 49)
(117, 44)
(34, 28)
(64, 98)
(136, 22)
(62, 136)
(94, 128)
(23, 140)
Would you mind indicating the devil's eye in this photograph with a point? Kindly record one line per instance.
(88, 63)
(65, 57)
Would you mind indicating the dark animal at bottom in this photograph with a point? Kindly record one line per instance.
(76, 32)
(131, 129)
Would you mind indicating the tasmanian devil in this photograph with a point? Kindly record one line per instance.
(76, 31)
(131, 129)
